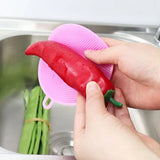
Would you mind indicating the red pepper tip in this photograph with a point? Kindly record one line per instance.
(35, 49)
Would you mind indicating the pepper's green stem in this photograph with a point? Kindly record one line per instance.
(109, 97)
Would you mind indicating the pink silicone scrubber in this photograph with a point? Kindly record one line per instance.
(79, 39)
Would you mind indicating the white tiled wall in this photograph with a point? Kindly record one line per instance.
(100, 11)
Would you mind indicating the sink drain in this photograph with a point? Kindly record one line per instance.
(61, 144)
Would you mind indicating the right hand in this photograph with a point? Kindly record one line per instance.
(100, 134)
(136, 72)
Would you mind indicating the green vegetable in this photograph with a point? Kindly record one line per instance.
(45, 133)
(39, 125)
(33, 138)
(35, 133)
(31, 112)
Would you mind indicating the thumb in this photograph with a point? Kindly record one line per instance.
(95, 105)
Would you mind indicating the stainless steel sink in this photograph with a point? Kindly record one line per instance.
(18, 72)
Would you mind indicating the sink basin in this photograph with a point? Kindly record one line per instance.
(18, 72)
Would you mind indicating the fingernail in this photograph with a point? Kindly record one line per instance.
(92, 86)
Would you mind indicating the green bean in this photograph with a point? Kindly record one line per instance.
(28, 128)
(39, 124)
(35, 135)
(45, 133)
(33, 139)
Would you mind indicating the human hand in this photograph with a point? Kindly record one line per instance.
(108, 135)
(136, 72)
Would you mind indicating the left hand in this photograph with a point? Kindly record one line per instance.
(100, 134)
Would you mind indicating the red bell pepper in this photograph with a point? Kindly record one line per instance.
(72, 68)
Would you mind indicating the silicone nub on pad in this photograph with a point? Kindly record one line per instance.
(79, 39)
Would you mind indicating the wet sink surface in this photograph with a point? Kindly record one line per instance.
(18, 72)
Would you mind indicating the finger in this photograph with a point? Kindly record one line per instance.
(122, 113)
(110, 55)
(111, 108)
(112, 42)
(95, 105)
(79, 121)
